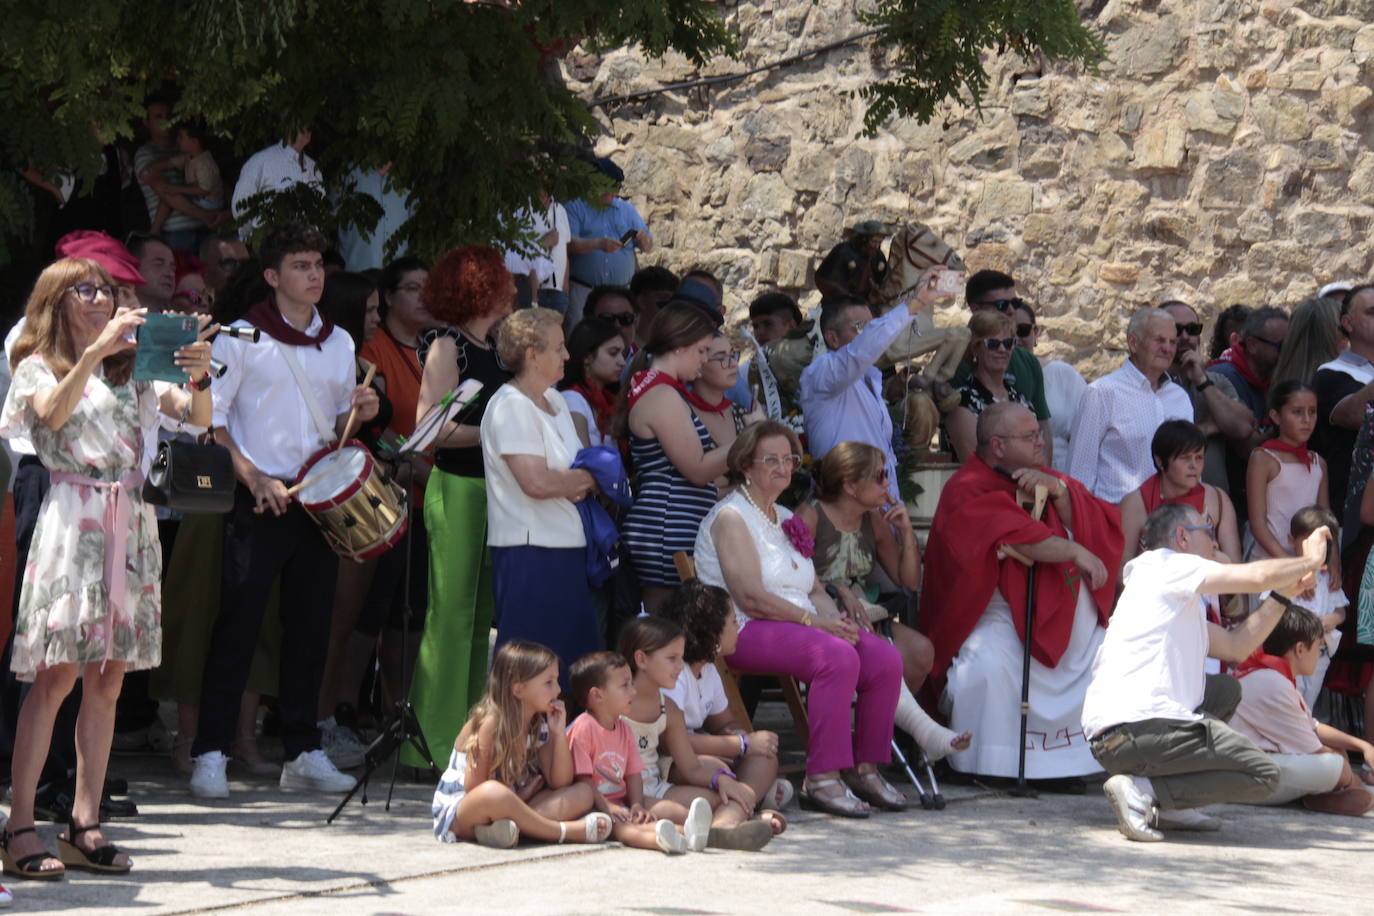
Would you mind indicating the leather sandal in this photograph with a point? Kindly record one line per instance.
(843, 805)
(592, 826)
(29, 867)
(101, 859)
(878, 792)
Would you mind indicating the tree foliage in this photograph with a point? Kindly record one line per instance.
(453, 93)
(939, 48)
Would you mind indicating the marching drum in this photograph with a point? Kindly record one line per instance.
(360, 511)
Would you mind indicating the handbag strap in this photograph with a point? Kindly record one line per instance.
(325, 429)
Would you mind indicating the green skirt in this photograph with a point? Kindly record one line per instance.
(451, 671)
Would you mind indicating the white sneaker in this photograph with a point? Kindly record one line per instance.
(1134, 809)
(208, 779)
(313, 771)
(668, 839)
(340, 743)
(6, 898)
(697, 827)
(1185, 819)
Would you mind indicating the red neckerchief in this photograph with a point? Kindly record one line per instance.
(1236, 357)
(1152, 495)
(601, 401)
(1259, 659)
(1301, 451)
(266, 317)
(652, 378)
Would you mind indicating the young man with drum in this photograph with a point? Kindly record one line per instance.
(278, 403)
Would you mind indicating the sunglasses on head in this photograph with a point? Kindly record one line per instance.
(624, 319)
(1192, 330)
(1004, 343)
(1004, 305)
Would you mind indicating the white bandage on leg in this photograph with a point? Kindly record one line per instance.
(933, 737)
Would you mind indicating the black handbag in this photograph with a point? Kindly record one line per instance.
(190, 477)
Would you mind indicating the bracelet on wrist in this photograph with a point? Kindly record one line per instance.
(715, 777)
(202, 383)
(743, 744)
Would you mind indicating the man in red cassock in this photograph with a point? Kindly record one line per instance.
(974, 602)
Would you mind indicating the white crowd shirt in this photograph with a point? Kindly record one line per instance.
(699, 698)
(273, 169)
(258, 401)
(1064, 389)
(578, 405)
(515, 425)
(553, 218)
(1151, 664)
(1109, 446)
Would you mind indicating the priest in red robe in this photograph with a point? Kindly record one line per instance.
(974, 601)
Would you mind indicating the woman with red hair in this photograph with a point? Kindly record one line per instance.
(471, 292)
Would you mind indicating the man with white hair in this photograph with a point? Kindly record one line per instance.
(1109, 448)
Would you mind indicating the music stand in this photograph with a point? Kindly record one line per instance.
(402, 726)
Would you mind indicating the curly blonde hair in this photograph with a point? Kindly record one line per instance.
(522, 330)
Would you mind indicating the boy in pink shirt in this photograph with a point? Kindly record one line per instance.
(604, 754)
(1311, 756)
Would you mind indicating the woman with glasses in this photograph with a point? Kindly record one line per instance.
(762, 555)
(858, 528)
(718, 375)
(470, 292)
(91, 603)
(990, 353)
(676, 462)
(1064, 387)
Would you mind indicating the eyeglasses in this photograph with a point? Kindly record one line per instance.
(1025, 330)
(411, 288)
(87, 292)
(624, 319)
(999, 343)
(774, 462)
(1276, 344)
(1004, 305)
(1192, 330)
(1210, 529)
(725, 360)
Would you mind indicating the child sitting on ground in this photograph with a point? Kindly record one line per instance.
(653, 646)
(1311, 757)
(511, 771)
(605, 759)
(710, 629)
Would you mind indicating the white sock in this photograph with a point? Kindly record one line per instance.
(933, 738)
(1146, 788)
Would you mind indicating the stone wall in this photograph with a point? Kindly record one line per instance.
(1222, 154)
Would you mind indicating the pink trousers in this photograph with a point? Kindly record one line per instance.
(833, 670)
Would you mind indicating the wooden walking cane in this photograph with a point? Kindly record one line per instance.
(1021, 790)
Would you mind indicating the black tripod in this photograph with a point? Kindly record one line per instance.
(401, 727)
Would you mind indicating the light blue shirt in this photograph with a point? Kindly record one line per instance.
(841, 393)
(365, 253)
(597, 268)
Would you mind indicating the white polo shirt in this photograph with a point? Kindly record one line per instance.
(513, 425)
(258, 401)
(1151, 663)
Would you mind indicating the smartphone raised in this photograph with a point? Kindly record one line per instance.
(628, 237)
(159, 338)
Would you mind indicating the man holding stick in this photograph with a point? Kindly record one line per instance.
(1155, 720)
(975, 602)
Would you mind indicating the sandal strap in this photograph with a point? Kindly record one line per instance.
(74, 831)
(102, 855)
(24, 863)
(11, 834)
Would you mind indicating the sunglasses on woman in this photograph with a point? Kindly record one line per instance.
(1025, 330)
(1003, 343)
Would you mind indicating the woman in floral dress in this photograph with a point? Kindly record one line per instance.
(90, 605)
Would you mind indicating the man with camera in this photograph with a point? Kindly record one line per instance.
(1153, 717)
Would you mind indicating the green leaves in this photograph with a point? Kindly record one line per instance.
(937, 49)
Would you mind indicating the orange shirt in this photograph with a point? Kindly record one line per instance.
(400, 366)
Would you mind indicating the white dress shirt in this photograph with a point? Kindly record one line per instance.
(258, 401)
(1109, 448)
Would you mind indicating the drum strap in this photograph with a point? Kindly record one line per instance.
(326, 429)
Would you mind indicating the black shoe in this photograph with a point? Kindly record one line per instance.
(1064, 785)
(52, 802)
(116, 785)
(117, 807)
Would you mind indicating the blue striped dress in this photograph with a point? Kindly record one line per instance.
(667, 510)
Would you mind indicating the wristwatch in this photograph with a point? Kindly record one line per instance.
(1205, 384)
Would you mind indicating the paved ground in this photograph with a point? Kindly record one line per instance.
(267, 851)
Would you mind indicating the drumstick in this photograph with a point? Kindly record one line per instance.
(353, 414)
(291, 491)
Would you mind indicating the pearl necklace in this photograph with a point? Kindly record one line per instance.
(772, 522)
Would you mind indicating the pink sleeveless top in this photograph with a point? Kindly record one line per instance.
(1294, 488)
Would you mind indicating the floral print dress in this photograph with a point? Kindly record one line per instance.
(65, 612)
